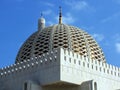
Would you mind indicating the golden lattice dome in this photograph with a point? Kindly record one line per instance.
(60, 36)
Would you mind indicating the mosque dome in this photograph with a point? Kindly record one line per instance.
(60, 36)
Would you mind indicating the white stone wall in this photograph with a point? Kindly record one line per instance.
(42, 70)
(60, 66)
(77, 69)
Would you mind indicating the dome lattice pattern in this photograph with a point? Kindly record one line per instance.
(60, 35)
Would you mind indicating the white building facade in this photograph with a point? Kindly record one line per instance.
(60, 57)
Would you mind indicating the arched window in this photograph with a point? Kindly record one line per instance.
(25, 86)
(95, 86)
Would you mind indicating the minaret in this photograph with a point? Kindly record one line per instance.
(60, 15)
(41, 23)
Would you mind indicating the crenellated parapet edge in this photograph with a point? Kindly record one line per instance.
(84, 63)
(34, 62)
(65, 57)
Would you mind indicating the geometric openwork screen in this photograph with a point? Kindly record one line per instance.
(60, 35)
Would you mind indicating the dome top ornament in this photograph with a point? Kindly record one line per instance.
(60, 15)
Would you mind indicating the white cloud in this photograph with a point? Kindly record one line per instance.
(117, 37)
(98, 37)
(117, 45)
(115, 15)
(49, 4)
(47, 12)
(117, 1)
(66, 19)
(79, 5)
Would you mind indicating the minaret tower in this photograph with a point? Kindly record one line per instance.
(41, 23)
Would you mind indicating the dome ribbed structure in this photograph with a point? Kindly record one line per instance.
(60, 36)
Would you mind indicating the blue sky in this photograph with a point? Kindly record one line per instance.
(100, 18)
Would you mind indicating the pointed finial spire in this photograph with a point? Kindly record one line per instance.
(41, 14)
(60, 15)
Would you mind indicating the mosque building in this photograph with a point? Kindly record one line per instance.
(60, 57)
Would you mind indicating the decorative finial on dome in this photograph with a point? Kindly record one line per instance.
(41, 14)
(60, 15)
(41, 22)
